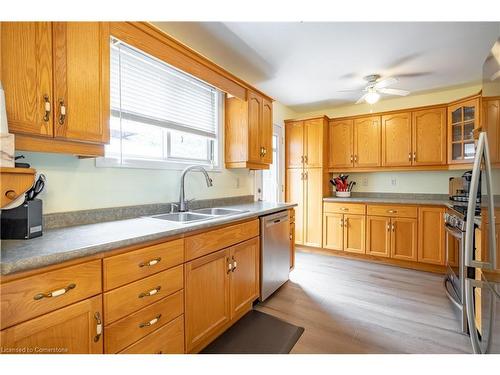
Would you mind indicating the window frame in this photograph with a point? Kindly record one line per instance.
(173, 163)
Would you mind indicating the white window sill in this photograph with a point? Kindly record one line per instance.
(104, 162)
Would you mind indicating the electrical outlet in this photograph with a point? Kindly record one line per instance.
(394, 181)
(365, 181)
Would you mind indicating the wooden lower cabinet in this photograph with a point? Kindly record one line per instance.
(70, 330)
(431, 237)
(220, 288)
(333, 231)
(378, 236)
(404, 238)
(313, 207)
(295, 193)
(344, 232)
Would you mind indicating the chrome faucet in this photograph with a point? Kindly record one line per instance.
(182, 199)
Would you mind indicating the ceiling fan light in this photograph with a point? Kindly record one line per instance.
(372, 97)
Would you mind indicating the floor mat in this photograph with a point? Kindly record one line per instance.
(256, 333)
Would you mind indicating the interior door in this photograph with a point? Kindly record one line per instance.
(26, 76)
(333, 231)
(294, 138)
(404, 238)
(429, 137)
(367, 142)
(341, 150)
(295, 194)
(396, 140)
(207, 296)
(70, 330)
(378, 236)
(313, 207)
(354, 233)
(313, 153)
(244, 275)
(266, 131)
(81, 81)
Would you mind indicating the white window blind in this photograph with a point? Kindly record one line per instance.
(147, 90)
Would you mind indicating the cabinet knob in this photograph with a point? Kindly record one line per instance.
(11, 194)
(98, 326)
(62, 112)
(47, 108)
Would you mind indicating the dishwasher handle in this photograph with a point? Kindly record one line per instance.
(275, 220)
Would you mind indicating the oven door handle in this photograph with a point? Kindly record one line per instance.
(454, 232)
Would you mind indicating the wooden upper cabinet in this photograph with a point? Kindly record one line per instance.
(404, 238)
(429, 137)
(431, 236)
(26, 76)
(207, 298)
(491, 123)
(249, 132)
(367, 142)
(396, 140)
(340, 139)
(81, 81)
(74, 329)
(244, 276)
(314, 138)
(294, 135)
(266, 132)
(463, 119)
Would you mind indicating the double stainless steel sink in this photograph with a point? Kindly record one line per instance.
(198, 215)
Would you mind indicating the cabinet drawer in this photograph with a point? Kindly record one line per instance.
(391, 210)
(32, 296)
(134, 265)
(169, 339)
(132, 297)
(344, 208)
(137, 325)
(208, 242)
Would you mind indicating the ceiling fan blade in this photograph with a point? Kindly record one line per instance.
(394, 92)
(362, 99)
(385, 82)
(348, 90)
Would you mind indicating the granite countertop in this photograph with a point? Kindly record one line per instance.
(424, 199)
(63, 244)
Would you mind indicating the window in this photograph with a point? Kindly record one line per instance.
(161, 117)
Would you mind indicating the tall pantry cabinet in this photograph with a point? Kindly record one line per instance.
(306, 159)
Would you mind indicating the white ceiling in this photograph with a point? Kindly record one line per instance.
(304, 65)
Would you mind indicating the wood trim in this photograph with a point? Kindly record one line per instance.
(36, 144)
(246, 164)
(150, 39)
(394, 169)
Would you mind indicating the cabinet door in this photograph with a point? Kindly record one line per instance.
(333, 231)
(295, 194)
(254, 120)
(26, 76)
(431, 235)
(367, 142)
(396, 140)
(292, 245)
(463, 118)
(81, 81)
(70, 330)
(340, 135)
(429, 137)
(404, 238)
(354, 233)
(313, 151)
(244, 276)
(294, 136)
(207, 307)
(491, 122)
(266, 131)
(378, 236)
(313, 207)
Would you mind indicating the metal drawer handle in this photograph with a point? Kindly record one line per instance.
(55, 293)
(151, 262)
(392, 211)
(151, 322)
(152, 292)
(388, 227)
(47, 107)
(98, 327)
(305, 159)
(235, 264)
(62, 112)
(229, 265)
(344, 209)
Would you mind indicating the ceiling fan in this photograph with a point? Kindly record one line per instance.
(377, 86)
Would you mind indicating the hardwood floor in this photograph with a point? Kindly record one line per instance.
(351, 306)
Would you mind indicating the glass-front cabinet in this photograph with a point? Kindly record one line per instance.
(463, 119)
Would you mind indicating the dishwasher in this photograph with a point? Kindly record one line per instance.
(275, 255)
